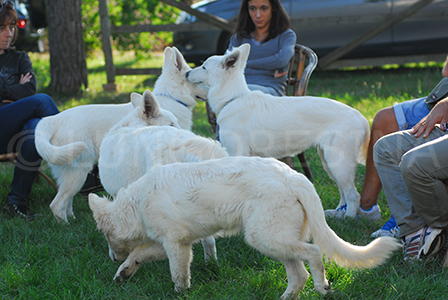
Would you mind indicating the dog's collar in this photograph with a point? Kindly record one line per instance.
(169, 96)
(230, 101)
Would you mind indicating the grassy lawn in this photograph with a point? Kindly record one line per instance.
(45, 259)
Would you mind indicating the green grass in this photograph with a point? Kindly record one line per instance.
(49, 260)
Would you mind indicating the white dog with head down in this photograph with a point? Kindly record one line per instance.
(254, 123)
(131, 149)
(172, 206)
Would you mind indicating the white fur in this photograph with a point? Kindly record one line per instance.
(257, 124)
(70, 141)
(174, 92)
(172, 206)
(128, 152)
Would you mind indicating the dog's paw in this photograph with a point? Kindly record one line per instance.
(324, 289)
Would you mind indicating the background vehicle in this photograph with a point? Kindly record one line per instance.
(325, 25)
(32, 23)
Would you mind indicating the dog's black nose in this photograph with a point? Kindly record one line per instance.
(124, 276)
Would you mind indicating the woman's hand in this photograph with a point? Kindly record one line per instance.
(25, 78)
(277, 74)
(438, 115)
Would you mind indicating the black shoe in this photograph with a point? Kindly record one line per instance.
(92, 183)
(21, 211)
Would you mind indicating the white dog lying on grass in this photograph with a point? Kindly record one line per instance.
(70, 141)
(258, 124)
(131, 149)
(171, 207)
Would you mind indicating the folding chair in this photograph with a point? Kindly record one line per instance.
(301, 66)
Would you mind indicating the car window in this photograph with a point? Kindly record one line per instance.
(331, 23)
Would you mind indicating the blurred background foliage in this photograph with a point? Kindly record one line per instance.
(124, 12)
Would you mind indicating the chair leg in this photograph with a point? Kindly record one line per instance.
(40, 173)
(211, 116)
(289, 160)
(306, 168)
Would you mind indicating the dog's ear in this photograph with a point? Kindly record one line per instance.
(151, 106)
(239, 54)
(100, 207)
(245, 50)
(167, 57)
(136, 99)
(231, 60)
(180, 60)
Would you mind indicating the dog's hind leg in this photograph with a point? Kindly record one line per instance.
(298, 251)
(70, 181)
(180, 256)
(209, 246)
(280, 233)
(143, 253)
(297, 277)
(341, 167)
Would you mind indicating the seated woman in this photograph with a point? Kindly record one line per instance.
(265, 25)
(20, 111)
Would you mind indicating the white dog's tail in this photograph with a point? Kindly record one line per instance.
(335, 248)
(56, 155)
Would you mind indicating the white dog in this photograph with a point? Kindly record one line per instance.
(164, 212)
(254, 123)
(174, 92)
(70, 141)
(129, 151)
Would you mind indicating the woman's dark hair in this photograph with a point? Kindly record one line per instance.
(9, 14)
(279, 21)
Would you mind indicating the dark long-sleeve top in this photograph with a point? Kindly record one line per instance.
(12, 66)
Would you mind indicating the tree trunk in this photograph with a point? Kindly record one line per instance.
(67, 54)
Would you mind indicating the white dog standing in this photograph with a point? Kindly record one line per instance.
(172, 206)
(89, 124)
(254, 123)
(70, 141)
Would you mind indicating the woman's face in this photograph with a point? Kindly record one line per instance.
(6, 34)
(260, 12)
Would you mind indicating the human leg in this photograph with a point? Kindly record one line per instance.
(383, 124)
(401, 116)
(14, 116)
(393, 156)
(387, 154)
(424, 170)
(21, 118)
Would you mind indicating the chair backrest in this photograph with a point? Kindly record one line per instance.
(301, 66)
